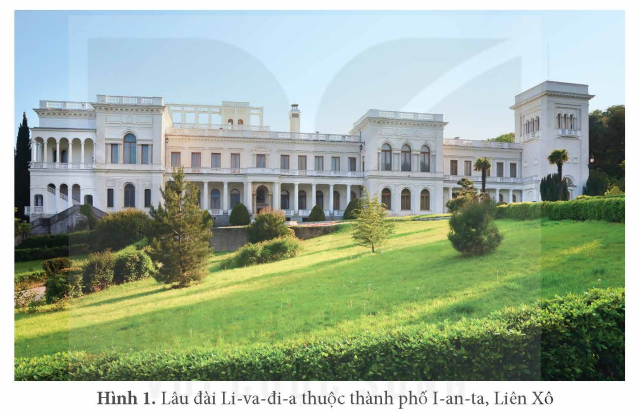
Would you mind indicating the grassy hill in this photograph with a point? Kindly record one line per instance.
(336, 289)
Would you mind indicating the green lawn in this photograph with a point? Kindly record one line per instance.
(336, 289)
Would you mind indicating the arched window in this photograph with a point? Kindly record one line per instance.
(501, 197)
(405, 200)
(514, 198)
(301, 200)
(527, 129)
(75, 193)
(559, 121)
(63, 156)
(235, 197)
(572, 123)
(424, 200)
(199, 197)
(88, 200)
(230, 121)
(129, 148)
(532, 125)
(387, 155)
(386, 198)
(319, 199)
(424, 159)
(129, 196)
(335, 201)
(565, 122)
(38, 200)
(215, 199)
(285, 199)
(240, 122)
(406, 154)
(537, 123)
(353, 195)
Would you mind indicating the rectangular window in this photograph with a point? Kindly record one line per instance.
(513, 170)
(500, 169)
(453, 167)
(284, 159)
(196, 160)
(260, 161)
(175, 159)
(146, 154)
(110, 198)
(235, 160)
(335, 164)
(352, 164)
(147, 198)
(301, 163)
(216, 160)
(114, 153)
(319, 163)
(468, 168)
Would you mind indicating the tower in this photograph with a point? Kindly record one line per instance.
(294, 119)
(549, 116)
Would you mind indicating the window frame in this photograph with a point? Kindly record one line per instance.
(176, 159)
(114, 151)
(336, 161)
(196, 156)
(285, 162)
(301, 166)
(110, 198)
(405, 204)
(424, 159)
(451, 169)
(145, 149)
(260, 159)
(468, 168)
(235, 157)
(352, 164)
(319, 160)
(387, 193)
(405, 161)
(147, 198)
(423, 196)
(218, 157)
(513, 164)
(386, 157)
(301, 200)
(500, 173)
(129, 147)
(129, 196)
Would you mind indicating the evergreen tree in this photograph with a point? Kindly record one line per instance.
(483, 165)
(181, 233)
(549, 188)
(22, 181)
(371, 228)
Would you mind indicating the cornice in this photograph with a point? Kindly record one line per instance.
(397, 122)
(64, 112)
(107, 107)
(482, 149)
(258, 140)
(552, 93)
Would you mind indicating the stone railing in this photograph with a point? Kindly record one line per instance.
(388, 114)
(204, 131)
(130, 100)
(204, 126)
(269, 171)
(568, 133)
(491, 179)
(60, 104)
(481, 144)
(55, 165)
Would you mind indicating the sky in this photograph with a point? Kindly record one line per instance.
(335, 65)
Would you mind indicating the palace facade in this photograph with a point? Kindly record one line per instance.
(118, 151)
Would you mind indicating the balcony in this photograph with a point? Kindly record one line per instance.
(55, 165)
(389, 114)
(474, 143)
(204, 126)
(567, 133)
(489, 179)
(531, 136)
(269, 171)
(60, 104)
(130, 100)
(248, 132)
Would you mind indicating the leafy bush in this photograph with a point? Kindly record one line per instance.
(239, 215)
(456, 204)
(122, 228)
(473, 232)
(549, 188)
(132, 267)
(597, 183)
(317, 214)
(98, 271)
(268, 224)
(577, 337)
(595, 208)
(27, 280)
(352, 206)
(45, 241)
(65, 284)
(32, 254)
(263, 252)
(55, 265)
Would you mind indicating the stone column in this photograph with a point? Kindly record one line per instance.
(248, 196)
(330, 199)
(205, 196)
(276, 196)
(496, 194)
(510, 196)
(313, 194)
(116, 196)
(70, 155)
(57, 153)
(44, 152)
(57, 198)
(82, 152)
(348, 195)
(225, 197)
(120, 153)
(296, 197)
(450, 193)
(33, 150)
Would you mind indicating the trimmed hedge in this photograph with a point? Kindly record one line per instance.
(57, 240)
(316, 215)
(239, 215)
(66, 284)
(98, 271)
(263, 252)
(132, 267)
(55, 265)
(595, 208)
(32, 254)
(26, 280)
(120, 229)
(577, 337)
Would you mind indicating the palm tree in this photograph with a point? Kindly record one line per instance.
(558, 157)
(483, 165)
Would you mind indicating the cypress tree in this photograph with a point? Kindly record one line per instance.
(22, 181)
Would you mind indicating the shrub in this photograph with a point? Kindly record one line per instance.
(45, 241)
(597, 183)
(122, 228)
(66, 284)
(82, 237)
(239, 215)
(132, 267)
(317, 214)
(595, 208)
(352, 206)
(29, 279)
(456, 204)
(549, 186)
(576, 337)
(31, 254)
(55, 265)
(98, 271)
(264, 252)
(268, 224)
(473, 232)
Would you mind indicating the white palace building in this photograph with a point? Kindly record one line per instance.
(118, 151)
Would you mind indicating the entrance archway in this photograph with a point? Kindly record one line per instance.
(262, 198)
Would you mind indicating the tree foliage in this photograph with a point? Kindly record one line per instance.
(607, 139)
(549, 188)
(371, 229)
(268, 224)
(181, 234)
(467, 194)
(239, 215)
(317, 214)
(505, 137)
(22, 180)
(472, 230)
(482, 165)
(559, 157)
(597, 183)
(351, 208)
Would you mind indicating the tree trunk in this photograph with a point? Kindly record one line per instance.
(483, 181)
(561, 183)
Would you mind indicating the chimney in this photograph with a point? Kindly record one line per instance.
(294, 119)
